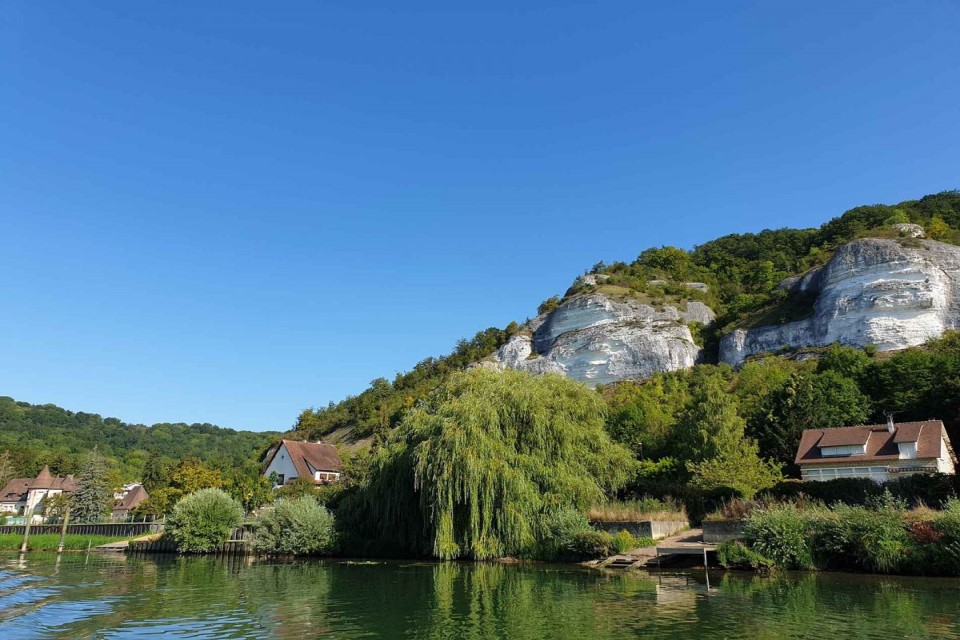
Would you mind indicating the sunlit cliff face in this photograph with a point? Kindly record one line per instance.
(888, 293)
(884, 295)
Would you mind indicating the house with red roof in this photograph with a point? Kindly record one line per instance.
(292, 459)
(880, 452)
(22, 495)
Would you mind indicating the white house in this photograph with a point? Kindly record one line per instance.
(22, 495)
(293, 459)
(880, 452)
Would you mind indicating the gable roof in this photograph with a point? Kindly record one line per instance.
(881, 445)
(131, 499)
(16, 488)
(308, 457)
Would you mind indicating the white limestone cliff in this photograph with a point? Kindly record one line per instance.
(597, 340)
(889, 293)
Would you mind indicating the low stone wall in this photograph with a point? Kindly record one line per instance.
(722, 531)
(655, 529)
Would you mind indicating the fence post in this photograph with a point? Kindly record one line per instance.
(26, 529)
(63, 529)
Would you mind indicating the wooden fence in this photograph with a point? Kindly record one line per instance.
(115, 529)
(237, 545)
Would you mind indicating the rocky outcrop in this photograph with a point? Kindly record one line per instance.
(595, 339)
(889, 293)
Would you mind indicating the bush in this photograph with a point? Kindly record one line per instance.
(852, 491)
(558, 539)
(736, 555)
(878, 540)
(623, 541)
(203, 521)
(297, 526)
(588, 545)
(780, 534)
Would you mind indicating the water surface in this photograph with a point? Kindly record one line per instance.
(102, 596)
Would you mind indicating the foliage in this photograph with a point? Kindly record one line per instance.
(736, 555)
(296, 526)
(38, 435)
(386, 401)
(780, 534)
(93, 497)
(740, 469)
(471, 470)
(203, 521)
(624, 541)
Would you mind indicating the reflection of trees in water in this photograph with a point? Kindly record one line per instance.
(310, 598)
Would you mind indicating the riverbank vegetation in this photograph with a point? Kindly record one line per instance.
(50, 541)
(883, 536)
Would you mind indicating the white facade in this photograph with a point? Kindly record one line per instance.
(283, 466)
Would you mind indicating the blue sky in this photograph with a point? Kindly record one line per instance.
(228, 212)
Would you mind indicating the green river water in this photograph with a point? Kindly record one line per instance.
(103, 596)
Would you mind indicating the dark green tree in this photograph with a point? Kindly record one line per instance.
(93, 498)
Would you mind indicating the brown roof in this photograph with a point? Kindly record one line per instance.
(308, 457)
(881, 445)
(131, 499)
(15, 488)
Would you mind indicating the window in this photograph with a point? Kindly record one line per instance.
(845, 450)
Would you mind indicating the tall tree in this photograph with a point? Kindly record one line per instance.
(93, 498)
(471, 471)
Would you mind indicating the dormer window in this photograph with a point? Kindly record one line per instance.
(908, 450)
(843, 450)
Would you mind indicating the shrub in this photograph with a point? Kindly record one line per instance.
(734, 509)
(736, 555)
(297, 526)
(780, 534)
(558, 540)
(878, 539)
(202, 521)
(852, 491)
(588, 545)
(623, 541)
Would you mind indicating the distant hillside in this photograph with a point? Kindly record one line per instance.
(741, 274)
(35, 435)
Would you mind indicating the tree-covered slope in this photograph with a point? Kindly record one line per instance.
(35, 435)
(742, 272)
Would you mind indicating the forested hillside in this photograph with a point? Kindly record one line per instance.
(742, 272)
(38, 435)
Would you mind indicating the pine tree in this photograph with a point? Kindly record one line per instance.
(93, 497)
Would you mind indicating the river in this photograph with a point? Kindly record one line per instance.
(105, 596)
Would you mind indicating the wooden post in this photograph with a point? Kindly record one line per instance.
(26, 529)
(63, 530)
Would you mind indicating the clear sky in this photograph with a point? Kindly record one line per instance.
(229, 211)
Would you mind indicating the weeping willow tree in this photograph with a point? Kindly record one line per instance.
(472, 470)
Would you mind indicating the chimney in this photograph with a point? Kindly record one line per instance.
(890, 426)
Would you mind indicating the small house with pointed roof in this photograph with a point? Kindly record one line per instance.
(880, 452)
(22, 495)
(127, 499)
(292, 459)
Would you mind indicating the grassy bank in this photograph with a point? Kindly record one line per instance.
(49, 541)
(883, 537)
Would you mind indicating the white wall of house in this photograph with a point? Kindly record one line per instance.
(945, 463)
(282, 465)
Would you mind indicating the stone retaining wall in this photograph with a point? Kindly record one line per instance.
(655, 529)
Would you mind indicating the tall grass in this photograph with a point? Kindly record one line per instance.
(637, 510)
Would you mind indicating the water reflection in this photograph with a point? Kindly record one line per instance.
(117, 597)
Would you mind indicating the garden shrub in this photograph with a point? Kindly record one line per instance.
(878, 538)
(568, 536)
(780, 533)
(852, 491)
(202, 521)
(623, 541)
(931, 489)
(736, 555)
(297, 526)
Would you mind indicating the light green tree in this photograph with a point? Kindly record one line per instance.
(471, 471)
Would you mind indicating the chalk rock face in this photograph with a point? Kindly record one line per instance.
(597, 340)
(873, 291)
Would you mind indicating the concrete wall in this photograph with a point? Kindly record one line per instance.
(722, 531)
(655, 529)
